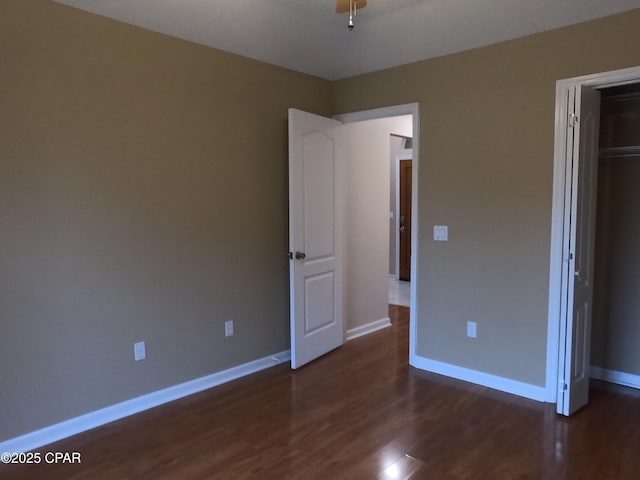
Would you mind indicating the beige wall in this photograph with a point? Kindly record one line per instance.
(486, 167)
(143, 196)
(397, 145)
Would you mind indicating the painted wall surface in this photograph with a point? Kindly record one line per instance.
(616, 318)
(397, 143)
(486, 171)
(366, 296)
(143, 196)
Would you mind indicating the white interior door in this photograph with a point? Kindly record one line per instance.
(314, 237)
(580, 204)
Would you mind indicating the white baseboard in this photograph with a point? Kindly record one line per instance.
(495, 382)
(614, 376)
(368, 328)
(53, 433)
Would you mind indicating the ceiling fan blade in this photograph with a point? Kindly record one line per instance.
(342, 6)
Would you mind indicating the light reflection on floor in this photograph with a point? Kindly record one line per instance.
(403, 469)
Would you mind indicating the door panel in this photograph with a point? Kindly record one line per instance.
(319, 298)
(314, 234)
(580, 362)
(580, 250)
(405, 220)
(318, 201)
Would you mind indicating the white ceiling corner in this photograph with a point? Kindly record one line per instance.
(309, 37)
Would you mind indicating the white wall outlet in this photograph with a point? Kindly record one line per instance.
(139, 351)
(472, 329)
(441, 233)
(228, 328)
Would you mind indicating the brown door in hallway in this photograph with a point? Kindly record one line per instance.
(405, 220)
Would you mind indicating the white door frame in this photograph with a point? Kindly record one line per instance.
(396, 111)
(558, 218)
(397, 210)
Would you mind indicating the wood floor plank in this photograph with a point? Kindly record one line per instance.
(359, 412)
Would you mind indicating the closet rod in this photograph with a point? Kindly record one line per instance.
(618, 152)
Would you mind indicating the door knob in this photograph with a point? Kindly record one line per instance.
(403, 225)
(300, 256)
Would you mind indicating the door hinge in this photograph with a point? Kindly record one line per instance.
(562, 386)
(573, 120)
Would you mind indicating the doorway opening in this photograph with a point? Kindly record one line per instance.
(338, 226)
(616, 303)
(400, 174)
(583, 169)
(395, 111)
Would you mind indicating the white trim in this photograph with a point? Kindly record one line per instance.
(395, 111)
(598, 80)
(124, 409)
(495, 382)
(368, 328)
(604, 79)
(557, 235)
(375, 113)
(404, 156)
(614, 376)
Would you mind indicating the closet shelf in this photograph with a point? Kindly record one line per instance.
(615, 152)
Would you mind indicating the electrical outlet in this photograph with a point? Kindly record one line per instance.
(139, 351)
(472, 329)
(228, 328)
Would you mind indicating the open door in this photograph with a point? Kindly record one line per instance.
(314, 237)
(579, 241)
(405, 195)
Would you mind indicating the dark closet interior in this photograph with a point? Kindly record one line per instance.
(615, 344)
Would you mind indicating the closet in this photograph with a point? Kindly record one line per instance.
(615, 339)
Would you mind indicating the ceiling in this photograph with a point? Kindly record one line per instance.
(308, 36)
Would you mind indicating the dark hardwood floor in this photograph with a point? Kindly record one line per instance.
(359, 413)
